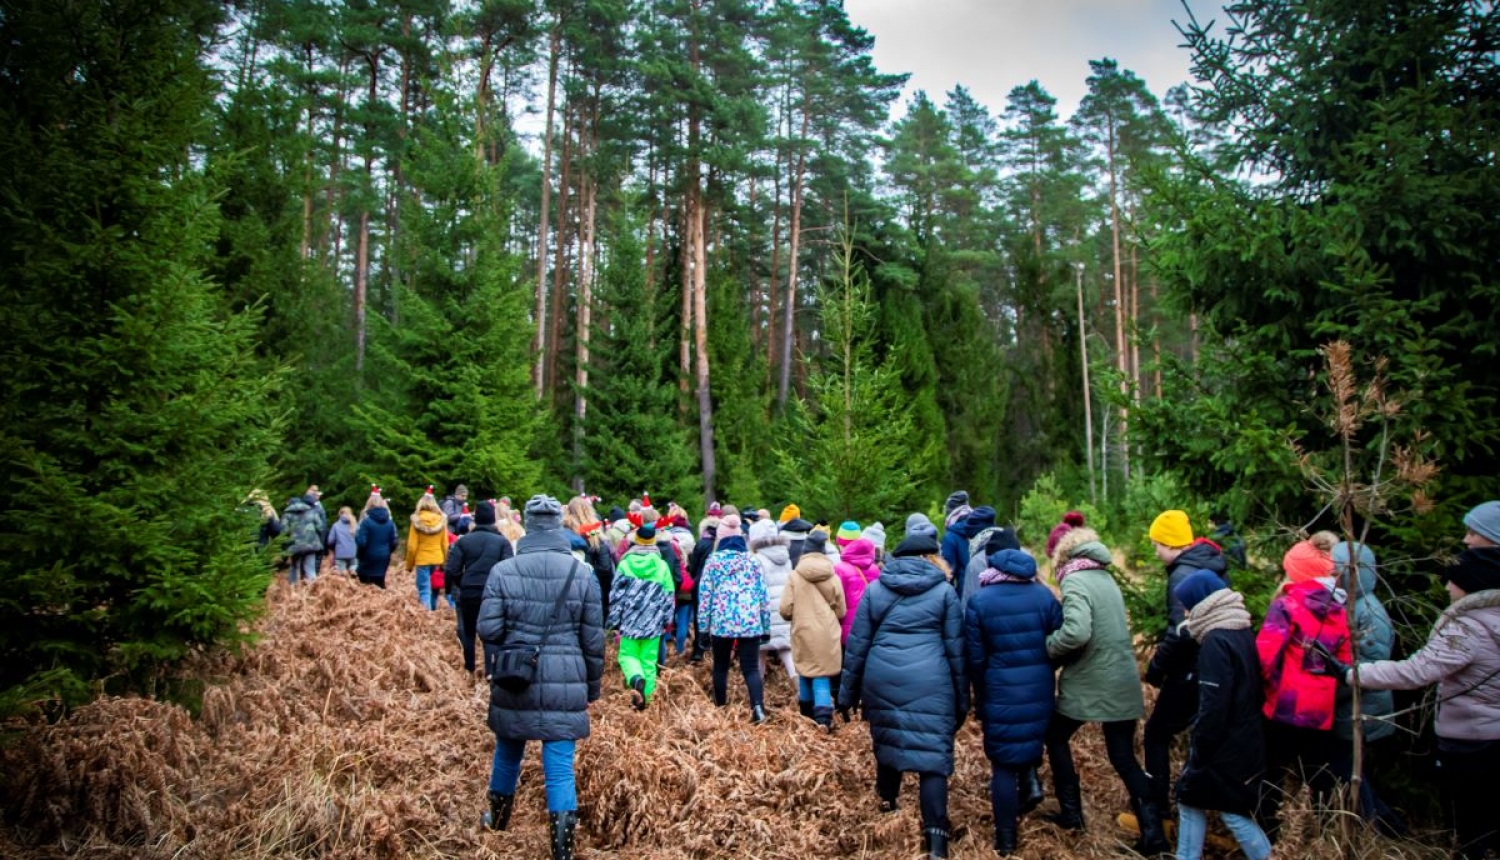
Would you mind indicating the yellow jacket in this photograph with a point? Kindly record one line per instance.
(427, 539)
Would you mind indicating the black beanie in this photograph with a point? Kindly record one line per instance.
(1475, 570)
(484, 515)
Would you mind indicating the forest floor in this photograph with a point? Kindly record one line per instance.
(351, 730)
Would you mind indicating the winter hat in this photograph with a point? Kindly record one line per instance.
(543, 513)
(1196, 586)
(848, 531)
(816, 543)
(484, 515)
(1001, 538)
(1305, 562)
(750, 516)
(957, 499)
(715, 509)
(1172, 529)
(461, 491)
(645, 535)
(982, 517)
(875, 534)
(789, 513)
(730, 527)
(918, 524)
(762, 531)
(1475, 569)
(1484, 520)
(615, 514)
(1074, 519)
(1014, 562)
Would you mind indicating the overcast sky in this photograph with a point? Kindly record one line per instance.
(992, 46)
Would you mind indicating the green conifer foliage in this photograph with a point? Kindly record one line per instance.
(134, 416)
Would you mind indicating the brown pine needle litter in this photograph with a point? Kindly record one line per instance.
(351, 730)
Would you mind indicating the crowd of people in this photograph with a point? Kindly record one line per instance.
(942, 625)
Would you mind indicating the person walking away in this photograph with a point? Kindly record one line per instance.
(904, 667)
(772, 550)
(304, 539)
(1071, 520)
(1098, 683)
(426, 545)
(702, 549)
(470, 560)
(1371, 628)
(856, 569)
(1461, 656)
(375, 541)
(341, 541)
(1306, 619)
(1174, 665)
(640, 609)
(796, 530)
(1226, 753)
(985, 543)
(314, 497)
(813, 603)
(736, 614)
(546, 598)
(586, 537)
(955, 548)
(1006, 625)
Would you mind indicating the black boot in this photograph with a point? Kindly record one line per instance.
(563, 826)
(887, 805)
(757, 714)
(1069, 807)
(1005, 841)
(498, 818)
(937, 841)
(1032, 793)
(1153, 837)
(805, 708)
(638, 693)
(824, 718)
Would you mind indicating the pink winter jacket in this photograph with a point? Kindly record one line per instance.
(856, 569)
(1462, 656)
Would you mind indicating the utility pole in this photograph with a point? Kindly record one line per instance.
(1088, 410)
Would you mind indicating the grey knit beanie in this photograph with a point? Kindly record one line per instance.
(543, 513)
(1484, 521)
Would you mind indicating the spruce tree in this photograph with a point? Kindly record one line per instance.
(135, 417)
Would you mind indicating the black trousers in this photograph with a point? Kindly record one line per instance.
(468, 630)
(1176, 705)
(1299, 752)
(1467, 770)
(1119, 744)
(1005, 794)
(932, 793)
(749, 650)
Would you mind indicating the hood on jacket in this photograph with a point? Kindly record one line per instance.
(576, 541)
(1202, 554)
(1081, 541)
(993, 539)
(778, 554)
(429, 522)
(1366, 562)
(815, 566)
(982, 518)
(911, 575)
(1318, 596)
(296, 506)
(379, 515)
(859, 553)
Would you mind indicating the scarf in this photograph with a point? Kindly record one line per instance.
(990, 576)
(1075, 564)
(1222, 610)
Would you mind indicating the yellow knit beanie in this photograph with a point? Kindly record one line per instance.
(789, 513)
(1172, 529)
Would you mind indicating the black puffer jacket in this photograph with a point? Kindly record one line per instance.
(1227, 755)
(909, 673)
(517, 608)
(473, 555)
(1176, 658)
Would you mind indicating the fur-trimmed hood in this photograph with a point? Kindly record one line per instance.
(1081, 541)
(429, 522)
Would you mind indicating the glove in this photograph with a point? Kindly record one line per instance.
(1328, 664)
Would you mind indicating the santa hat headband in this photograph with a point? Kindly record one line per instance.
(429, 489)
(374, 489)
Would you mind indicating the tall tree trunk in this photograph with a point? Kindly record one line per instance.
(585, 301)
(565, 173)
(685, 326)
(788, 320)
(362, 261)
(312, 137)
(542, 346)
(700, 343)
(1155, 343)
(1135, 322)
(335, 204)
(1121, 358)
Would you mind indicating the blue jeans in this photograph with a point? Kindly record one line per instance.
(684, 624)
(1192, 827)
(816, 690)
(304, 565)
(424, 585)
(557, 770)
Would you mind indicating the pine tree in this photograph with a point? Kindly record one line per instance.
(135, 416)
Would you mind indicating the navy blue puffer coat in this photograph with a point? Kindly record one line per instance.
(908, 674)
(1006, 625)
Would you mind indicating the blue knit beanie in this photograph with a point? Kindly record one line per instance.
(1198, 585)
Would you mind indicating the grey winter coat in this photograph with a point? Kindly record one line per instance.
(1372, 626)
(341, 540)
(904, 663)
(776, 563)
(517, 608)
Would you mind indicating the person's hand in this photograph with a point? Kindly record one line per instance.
(1328, 664)
(765, 639)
